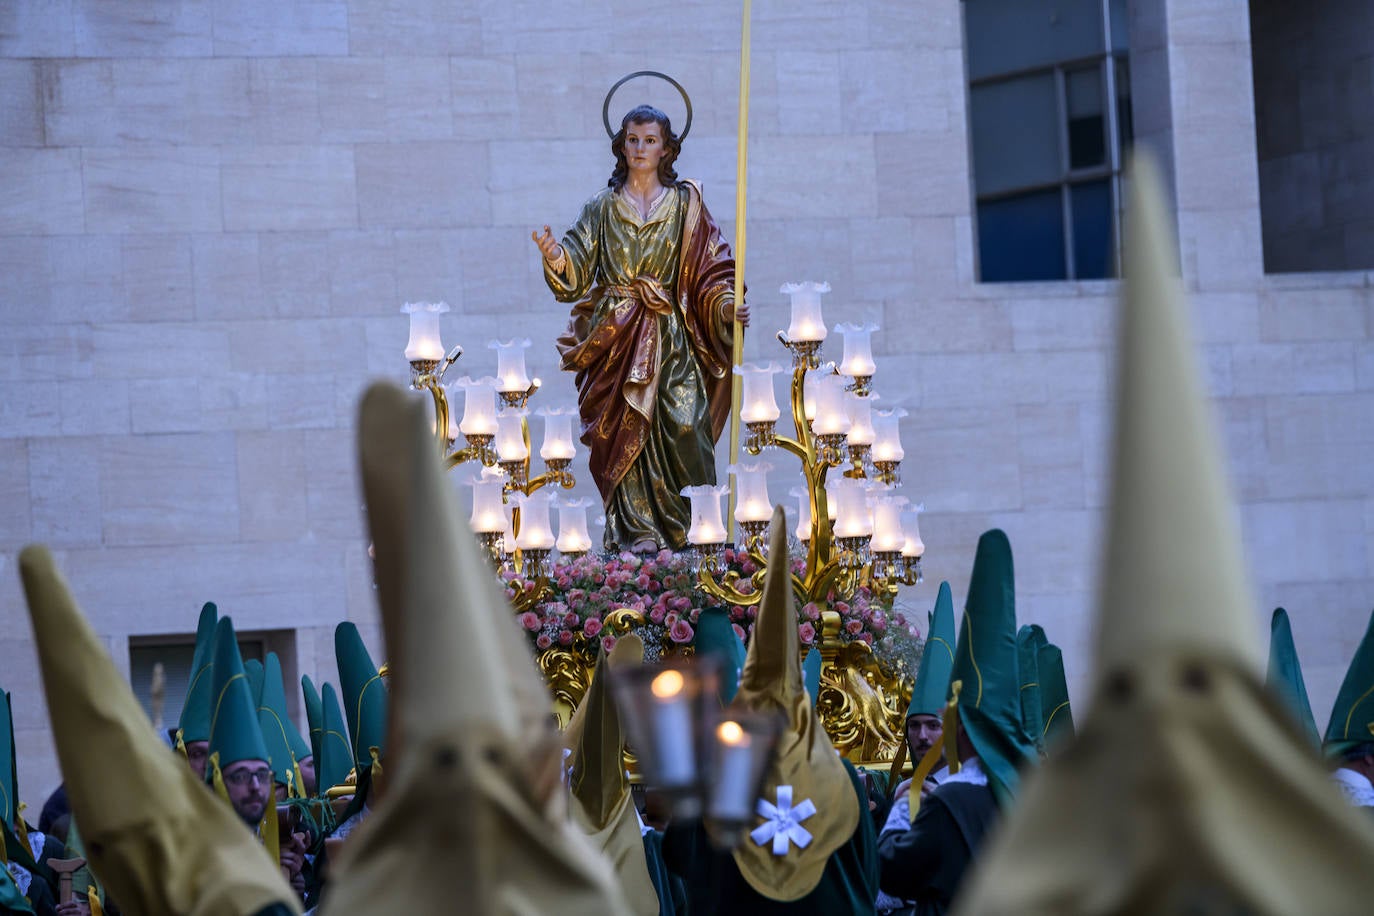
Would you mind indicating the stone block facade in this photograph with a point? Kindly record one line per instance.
(211, 212)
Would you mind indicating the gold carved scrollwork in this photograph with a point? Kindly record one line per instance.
(568, 669)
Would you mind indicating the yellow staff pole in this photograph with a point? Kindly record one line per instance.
(741, 201)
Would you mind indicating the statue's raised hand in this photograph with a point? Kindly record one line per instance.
(548, 245)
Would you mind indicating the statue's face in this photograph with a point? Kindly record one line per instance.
(644, 146)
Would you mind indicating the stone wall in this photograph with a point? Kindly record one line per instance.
(210, 213)
(1314, 95)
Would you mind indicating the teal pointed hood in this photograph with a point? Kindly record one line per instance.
(335, 759)
(194, 724)
(931, 688)
(1030, 639)
(1352, 718)
(716, 638)
(234, 731)
(1056, 713)
(985, 665)
(1284, 676)
(364, 694)
(314, 714)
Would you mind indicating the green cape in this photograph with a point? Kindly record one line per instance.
(194, 724)
(364, 694)
(1284, 675)
(985, 663)
(9, 775)
(1352, 718)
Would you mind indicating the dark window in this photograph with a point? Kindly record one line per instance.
(1049, 114)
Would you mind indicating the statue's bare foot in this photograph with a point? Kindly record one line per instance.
(644, 545)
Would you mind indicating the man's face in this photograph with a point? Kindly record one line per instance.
(922, 733)
(249, 783)
(197, 752)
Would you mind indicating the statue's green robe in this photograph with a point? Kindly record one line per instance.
(650, 343)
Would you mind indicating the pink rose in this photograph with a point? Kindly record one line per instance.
(855, 627)
(592, 626)
(642, 580)
(681, 632)
(530, 620)
(840, 608)
(670, 618)
(543, 641)
(867, 637)
(664, 556)
(656, 615)
(739, 630)
(570, 619)
(564, 582)
(653, 586)
(807, 633)
(810, 611)
(565, 638)
(607, 643)
(751, 612)
(878, 623)
(680, 603)
(510, 594)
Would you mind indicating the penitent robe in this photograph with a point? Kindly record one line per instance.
(650, 342)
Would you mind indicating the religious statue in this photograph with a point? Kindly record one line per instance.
(651, 332)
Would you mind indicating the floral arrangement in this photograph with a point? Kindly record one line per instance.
(662, 587)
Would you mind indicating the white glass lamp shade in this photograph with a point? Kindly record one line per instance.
(508, 536)
(454, 390)
(853, 515)
(572, 526)
(535, 531)
(707, 526)
(858, 349)
(888, 536)
(913, 546)
(803, 529)
(510, 364)
(510, 436)
(479, 406)
(751, 481)
(860, 419)
(488, 508)
(831, 415)
(558, 439)
(887, 439)
(809, 397)
(757, 401)
(832, 501)
(424, 342)
(807, 323)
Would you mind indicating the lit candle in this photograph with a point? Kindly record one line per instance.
(572, 526)
(831, 416)
(488, 509)
(535, 531)
(860, 419)
(558, 440)
(751, 480)
(707, 526)
(913, 546)
(510, 364)
(424, 342)
(510, 435)
(479, 406)
(673, 728)
(757, 402)
(888, 536)
(733, 794)
(887, 439)
(807, 323)
(858, 349)
(853, 517)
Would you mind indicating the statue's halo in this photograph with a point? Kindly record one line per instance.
(686, 100)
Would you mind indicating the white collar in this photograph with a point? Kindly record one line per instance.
(1355, 786)
(970, 771)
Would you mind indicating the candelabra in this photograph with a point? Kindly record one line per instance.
(857, 531)
(853, 525)
(510, 517)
